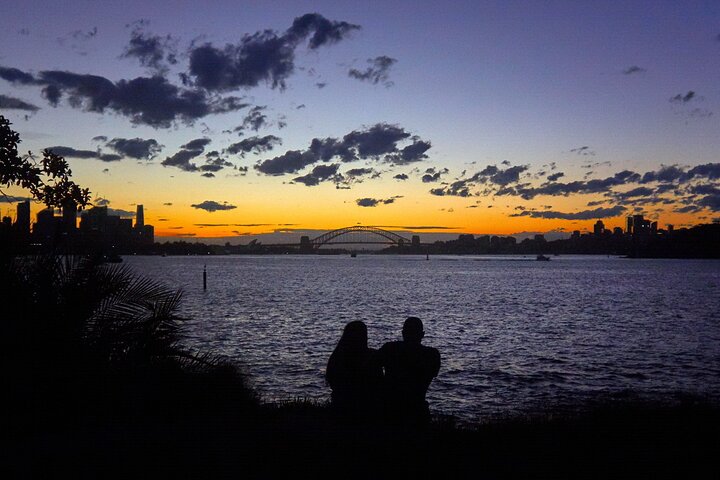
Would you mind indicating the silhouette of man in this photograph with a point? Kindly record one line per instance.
(409, 369)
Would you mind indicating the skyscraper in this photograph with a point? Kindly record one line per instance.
(22, 223)
(140, 218)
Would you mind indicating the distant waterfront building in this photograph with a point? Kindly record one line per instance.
(670, 228)
(599, 228)
(46, 224)
(617, 231)
(629, 226)
(415, 240)
(654, 228)
(69, 216)
(22, 222)
(575, 234)
(140, 218)
(640, 225)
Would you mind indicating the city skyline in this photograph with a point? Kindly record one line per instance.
(290, 117)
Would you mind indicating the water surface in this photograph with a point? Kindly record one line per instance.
(515, 335)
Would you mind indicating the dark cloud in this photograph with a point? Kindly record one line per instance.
(321, 85)
(401, 176)
(576, 187)
(491, 175)
(377, 72)
(665, 174)
(318, 174)
(255, 144)
(136, 147)
(13, 75)
(634, 70)
(555, 176)
(70, 152)
(189, 151)
(263, 57)
(432, 175)
(680, 98)
(379, 142)
(582, 215)
(12, 103)
(144, 100)
(373, 202)
(152, 51)
(12, 199)
(100, 138)
(708, 170)
(254, 120)
(213, 206)
(585, 151)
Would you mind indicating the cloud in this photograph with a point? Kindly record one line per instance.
(12, 199)
(379, 143)
(584, 151)
(263, 57)
(433, 175)
(680, 98)
(377, 72)
(418, 227)
(149, 101)
(490, 175)
(401, 176)
(189, 151)
(373, 202)
(254, 144)
(152, 51)
(213, 206)
(135, 147)
(70, 152)
(254, 120)
(555, 176)
(634, 70)
(317, 175)
(12, 103)
(582, 215)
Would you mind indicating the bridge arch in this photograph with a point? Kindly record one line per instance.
(384, 236)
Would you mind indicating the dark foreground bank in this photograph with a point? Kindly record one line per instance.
(97, 385)
(180, 426)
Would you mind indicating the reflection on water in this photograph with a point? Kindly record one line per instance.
(514, 334)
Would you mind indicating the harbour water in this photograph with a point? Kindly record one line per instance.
(516, 335)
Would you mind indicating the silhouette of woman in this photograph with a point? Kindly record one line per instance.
(354, 373)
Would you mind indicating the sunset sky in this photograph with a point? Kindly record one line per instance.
(234, 118)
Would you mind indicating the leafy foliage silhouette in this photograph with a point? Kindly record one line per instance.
(48, 179)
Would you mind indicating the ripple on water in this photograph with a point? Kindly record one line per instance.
(514, 334)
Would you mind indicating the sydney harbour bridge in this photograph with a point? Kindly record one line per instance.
(355, 235)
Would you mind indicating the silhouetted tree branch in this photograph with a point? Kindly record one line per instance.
(47, 180)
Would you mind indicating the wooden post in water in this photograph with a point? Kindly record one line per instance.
(204, 277)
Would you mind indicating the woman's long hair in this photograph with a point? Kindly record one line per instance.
(354, 337)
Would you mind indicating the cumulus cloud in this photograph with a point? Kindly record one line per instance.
(12, 103)
(317, 175)
(135, 147)
(432, 175)
(152, 101)
(555, 176)
(255, 145)
(254, 120)
(491, 175)
(187, 152)
(213, 206)
(401, 176)
(379, 142)
(374, 202)
(70, 152)
(152, 51)
(263, 57)
(377, 72)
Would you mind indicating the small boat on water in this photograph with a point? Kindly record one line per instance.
(353, 255)
(542, 258)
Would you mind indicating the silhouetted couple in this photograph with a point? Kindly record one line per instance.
(389, 383)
